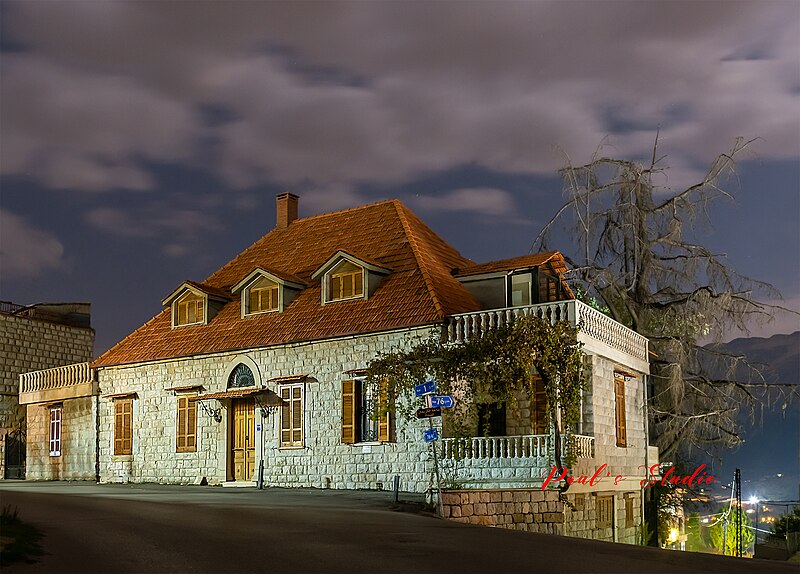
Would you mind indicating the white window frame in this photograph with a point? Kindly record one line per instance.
(328, 277)
(246, 312)
(202, 320)
(291, 443)
(56, 427)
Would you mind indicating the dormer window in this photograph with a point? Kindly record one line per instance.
(345, 277)
(190, 310)
(262, 297)
(195, 303)
(346, 281)
(267, 291)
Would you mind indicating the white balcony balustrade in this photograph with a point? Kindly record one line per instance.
(68, 381)
(598, 332)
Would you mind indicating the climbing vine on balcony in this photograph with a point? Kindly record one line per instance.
(497, 367)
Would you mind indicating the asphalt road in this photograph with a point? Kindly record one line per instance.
(152, 528)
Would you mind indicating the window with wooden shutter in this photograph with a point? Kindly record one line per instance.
(189, 310)
(346, 281)
(186, 434)
(348, 412)
(366, 412)
(629, 512)
(292, 415)
(604, 511)
(385, 430)
(123, 426)
(540, 419)
(619, 395)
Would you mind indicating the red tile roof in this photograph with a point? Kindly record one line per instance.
(553, 258)
(420, 290)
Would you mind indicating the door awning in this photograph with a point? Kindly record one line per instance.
(265, 395)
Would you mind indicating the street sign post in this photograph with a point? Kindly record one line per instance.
(443, 401)
(426, 388)
(431, 435)
(427, 413)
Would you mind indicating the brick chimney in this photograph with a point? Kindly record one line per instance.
(286, 209)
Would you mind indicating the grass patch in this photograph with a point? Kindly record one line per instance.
(19, 541)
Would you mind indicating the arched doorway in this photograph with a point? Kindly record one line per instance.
(242, 426)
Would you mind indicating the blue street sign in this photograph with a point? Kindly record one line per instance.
(442, 402)
(431, 435)
(426, 388)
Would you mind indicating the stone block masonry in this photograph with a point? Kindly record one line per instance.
(531, 510)
(30, 344)
(322, 461)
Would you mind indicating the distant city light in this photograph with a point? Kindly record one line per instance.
(780, 474)
(753, 500)
(750, 511)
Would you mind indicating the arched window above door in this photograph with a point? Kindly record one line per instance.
(241, 376)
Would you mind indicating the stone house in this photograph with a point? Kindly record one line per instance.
(257, 371)
(35, 337)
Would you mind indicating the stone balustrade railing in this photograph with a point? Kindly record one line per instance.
(579, 446)
(483, 447)
(56, 378)
(511, 447)
(590, 322)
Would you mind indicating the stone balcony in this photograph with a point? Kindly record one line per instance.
(57, 384)
(598, 332)
(507, 461)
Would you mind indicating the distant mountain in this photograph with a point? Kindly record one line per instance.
(772, 445)
(781, 353)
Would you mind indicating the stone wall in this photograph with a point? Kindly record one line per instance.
(599, 417)
(77, 459)
(323, 461)
(26, 345)
(532, 510)
(537, 510)
(581, 517)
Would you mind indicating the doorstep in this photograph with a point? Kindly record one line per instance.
(239, 484)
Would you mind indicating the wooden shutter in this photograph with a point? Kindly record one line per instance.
(619, 395)
(348, 412)
(384, 408)
(286, 417)
(181, 434)
(187, 425)
(541, 420)
(123, 426)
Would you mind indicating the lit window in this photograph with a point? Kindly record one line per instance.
(346, 281)
(189, 310)
(123, 426)
(187, 425)
(55, 430)
(292, 415)
(366, 412)
(262, 297)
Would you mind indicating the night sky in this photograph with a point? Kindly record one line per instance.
(144, 143)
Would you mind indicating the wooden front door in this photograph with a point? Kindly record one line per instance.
(243, 439)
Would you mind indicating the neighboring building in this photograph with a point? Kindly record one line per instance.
(261, 366)
(34, 337)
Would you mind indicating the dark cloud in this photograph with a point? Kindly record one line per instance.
(27, 251)
(331, 95)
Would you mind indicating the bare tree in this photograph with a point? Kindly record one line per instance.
(635, 257)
